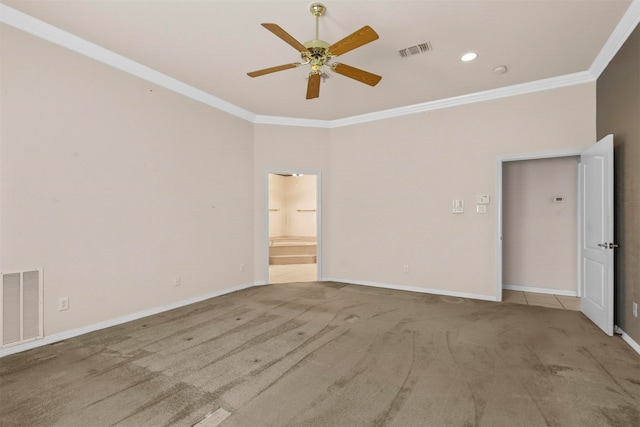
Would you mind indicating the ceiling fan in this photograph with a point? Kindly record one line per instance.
(317, 54)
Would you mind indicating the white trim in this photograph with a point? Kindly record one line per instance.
(292, 121)
(319, 246)
(634, 345)
(120, 320)
(503, 92)
(579, 229)
(411, 289)
(542, 155)
(41, 29)
(60, 37)
(537, 290)
(620, 34)
(51, 339)
(498, 262)
(487, 95)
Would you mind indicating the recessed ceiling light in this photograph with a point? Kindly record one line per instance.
(469, 56)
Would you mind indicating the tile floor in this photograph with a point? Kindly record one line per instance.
(308, 273)
(544, 300)
(293, 273)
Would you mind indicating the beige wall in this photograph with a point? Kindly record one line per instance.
(301, 202)
(115, 186)
(618, 104)
(282, 149)
(292, 200)
(539, 235)
(393, 182)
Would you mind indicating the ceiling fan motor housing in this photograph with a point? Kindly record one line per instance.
(317, 54)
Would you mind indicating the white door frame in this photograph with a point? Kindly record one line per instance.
(529, 156)
(318, 175)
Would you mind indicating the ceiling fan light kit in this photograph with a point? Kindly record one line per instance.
(318, 53)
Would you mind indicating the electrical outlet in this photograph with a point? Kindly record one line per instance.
(63, 303)
(635, 309)
(241, 268)
(177, 281)
(405, 269)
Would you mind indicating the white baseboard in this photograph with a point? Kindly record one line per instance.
(412, 289)
(634, 345)
(50, 339)
(540, 290)
(117, 321)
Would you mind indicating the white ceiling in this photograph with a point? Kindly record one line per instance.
(211, 45)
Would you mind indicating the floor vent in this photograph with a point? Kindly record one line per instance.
(414, 50)
(21, 306)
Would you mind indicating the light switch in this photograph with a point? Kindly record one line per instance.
(457, 206)
(481, 209)
(482, 199)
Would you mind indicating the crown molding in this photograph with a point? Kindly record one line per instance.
(55, 35)
(620, 34)
(41, 29)
(503, 92)
(292, 121)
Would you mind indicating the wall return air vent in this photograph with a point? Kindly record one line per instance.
(414, 50)
(21, 299)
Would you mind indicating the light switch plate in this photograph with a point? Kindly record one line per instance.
(481, 209)
(457, 206)
(482, 199)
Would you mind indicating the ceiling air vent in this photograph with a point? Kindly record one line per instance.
(414, 50)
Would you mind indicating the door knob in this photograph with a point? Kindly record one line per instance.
(608, 245)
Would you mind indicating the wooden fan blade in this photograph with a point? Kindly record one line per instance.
(313, 87)
(272, 69)
(357, 74)
(361, 37)
(275, 29)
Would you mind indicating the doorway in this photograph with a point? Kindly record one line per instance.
(293, 223)
(595, 229)
(538, 230)
(540, 226)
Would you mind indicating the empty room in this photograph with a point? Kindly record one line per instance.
(461, 195)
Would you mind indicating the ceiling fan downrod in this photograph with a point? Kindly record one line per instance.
(317, 10)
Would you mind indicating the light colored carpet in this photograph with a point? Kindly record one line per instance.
(329, 354)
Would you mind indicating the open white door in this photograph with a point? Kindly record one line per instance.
(596, 249)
